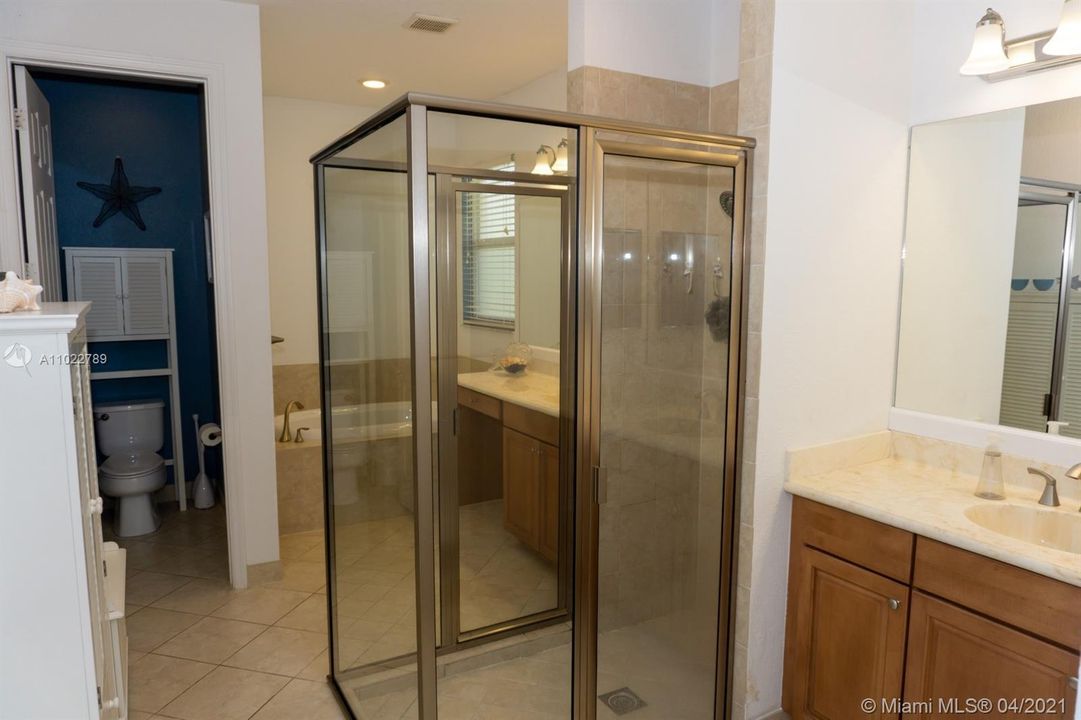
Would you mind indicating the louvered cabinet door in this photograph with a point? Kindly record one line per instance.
(146, 298)
(98, 280)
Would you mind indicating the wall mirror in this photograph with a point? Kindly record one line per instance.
(990, 326)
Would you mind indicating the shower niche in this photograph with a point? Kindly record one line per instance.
(530, 395)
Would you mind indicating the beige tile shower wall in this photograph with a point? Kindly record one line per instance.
(755, 74)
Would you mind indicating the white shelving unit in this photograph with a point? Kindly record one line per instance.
(131, 291)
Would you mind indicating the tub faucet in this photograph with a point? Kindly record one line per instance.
(286, 436)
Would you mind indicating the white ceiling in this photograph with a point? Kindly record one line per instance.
(320, 49)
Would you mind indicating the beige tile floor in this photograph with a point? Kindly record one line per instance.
(198, 650)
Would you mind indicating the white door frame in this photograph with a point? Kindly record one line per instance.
(211, 78)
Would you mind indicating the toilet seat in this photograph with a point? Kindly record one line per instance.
(132, 465)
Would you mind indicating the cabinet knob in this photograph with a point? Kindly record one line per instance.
(894, 604)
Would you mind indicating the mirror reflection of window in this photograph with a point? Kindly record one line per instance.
(489, 254)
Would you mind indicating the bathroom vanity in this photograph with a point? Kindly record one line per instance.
(881, 595)
(509, 447)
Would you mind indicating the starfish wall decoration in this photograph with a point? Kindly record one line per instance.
(119, 196)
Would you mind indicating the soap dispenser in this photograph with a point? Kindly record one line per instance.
(991, 485)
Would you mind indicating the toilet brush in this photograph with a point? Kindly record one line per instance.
(202, 489)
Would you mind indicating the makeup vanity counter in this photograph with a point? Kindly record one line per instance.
(895, 594)
(535, 391)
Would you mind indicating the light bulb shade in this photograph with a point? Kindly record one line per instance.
(561, 164)
(543, 166)
(988, 47)
(1067, 38)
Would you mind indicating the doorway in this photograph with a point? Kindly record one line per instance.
(530, 425)
(116, 198)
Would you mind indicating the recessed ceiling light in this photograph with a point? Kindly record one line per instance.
(373, 84)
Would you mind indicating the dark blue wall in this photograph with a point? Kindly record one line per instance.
(158, 131)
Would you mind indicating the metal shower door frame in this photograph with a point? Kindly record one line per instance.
(595, 146)
(582, 265)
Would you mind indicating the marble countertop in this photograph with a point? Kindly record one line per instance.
(532, 390)
(930, 501)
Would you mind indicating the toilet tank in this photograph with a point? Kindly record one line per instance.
(129, 426)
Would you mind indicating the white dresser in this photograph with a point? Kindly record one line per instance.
(60, 654)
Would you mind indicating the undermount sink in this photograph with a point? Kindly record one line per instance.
(1057, 530)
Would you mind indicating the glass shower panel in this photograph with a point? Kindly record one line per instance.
(368, 421)
(1034, 313)
(666, 287)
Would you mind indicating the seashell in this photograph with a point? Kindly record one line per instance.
(17, 294)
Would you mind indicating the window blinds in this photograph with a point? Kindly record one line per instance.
(489, 242)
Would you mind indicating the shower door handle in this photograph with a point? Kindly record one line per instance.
(600, 485)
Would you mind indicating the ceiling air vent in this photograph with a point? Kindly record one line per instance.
(430, 23)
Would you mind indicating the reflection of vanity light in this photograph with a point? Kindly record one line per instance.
(674, 256)
(627, 256)
(545, 158)
(561, 164)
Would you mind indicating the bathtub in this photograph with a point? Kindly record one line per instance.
(355, 423)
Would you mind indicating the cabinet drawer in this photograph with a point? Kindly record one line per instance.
(478, 401)
(532, 423)
(1036, 603)
(884, 549)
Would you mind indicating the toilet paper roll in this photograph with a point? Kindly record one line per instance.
(210, 435)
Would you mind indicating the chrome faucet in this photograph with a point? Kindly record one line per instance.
(286, 436)
(1074, 473)
(1050, 488)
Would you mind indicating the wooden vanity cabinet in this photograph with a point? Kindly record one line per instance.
(852, 626)
(531, 490)
(877, 612)
(526, 450)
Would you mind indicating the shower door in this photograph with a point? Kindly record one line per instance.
(667, 228)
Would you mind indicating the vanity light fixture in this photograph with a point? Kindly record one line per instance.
(995, 58)
(988, 53)
(373, 84)
(560, 165)
(546, 158)
(1067, 38)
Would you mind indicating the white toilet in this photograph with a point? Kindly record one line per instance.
(129, 435)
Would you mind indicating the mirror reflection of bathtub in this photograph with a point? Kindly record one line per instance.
(372, 442)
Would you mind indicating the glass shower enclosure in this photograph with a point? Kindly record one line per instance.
(531, 350)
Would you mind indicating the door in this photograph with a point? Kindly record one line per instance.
(99, 281)
(850, 639)
(662, 447)
(34, 130)
(520, 490)
(954, 655)
(146, 295)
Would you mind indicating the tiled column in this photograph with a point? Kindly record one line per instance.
(755, 79)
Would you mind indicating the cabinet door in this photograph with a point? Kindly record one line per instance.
(548, 479)
(850, 639)
(520, 487)
(955, 655)
(146, 296)
(98, 280)
(89, 498)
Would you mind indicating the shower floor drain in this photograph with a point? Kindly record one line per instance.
(622, 701)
